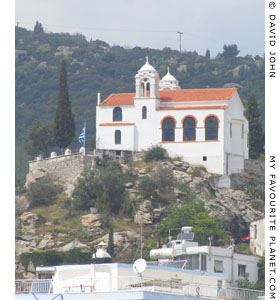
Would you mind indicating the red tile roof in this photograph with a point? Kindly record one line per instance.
(193, 107)
(174, 96)
(115, 123)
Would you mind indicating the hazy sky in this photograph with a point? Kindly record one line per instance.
(206, 24)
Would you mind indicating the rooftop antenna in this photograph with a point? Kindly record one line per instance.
(180, 34)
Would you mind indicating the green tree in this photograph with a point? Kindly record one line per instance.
(102, 188)
(64, 124)
(230, 51)
(38, 28)
(84, 193)
(193, 213)
(207, 54)
(256, 134)
(41, 139)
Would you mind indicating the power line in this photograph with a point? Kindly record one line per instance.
(103, 28)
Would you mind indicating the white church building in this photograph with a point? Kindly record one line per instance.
(205, 127)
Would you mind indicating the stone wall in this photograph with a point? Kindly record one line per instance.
(65, 168)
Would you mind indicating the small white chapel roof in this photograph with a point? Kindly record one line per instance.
(168, 77)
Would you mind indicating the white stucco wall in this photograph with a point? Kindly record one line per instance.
(223, 156)
(257, 237)
(236, 148)
(230, 262)
(147, 132)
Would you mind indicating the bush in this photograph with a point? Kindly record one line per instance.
(43, 191)
(147, 187)
(55, 258)
(255, 191)
(193, 213)
(155, 153)
(101, 188)
(164, 178)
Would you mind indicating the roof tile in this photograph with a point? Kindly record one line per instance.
(175, 96)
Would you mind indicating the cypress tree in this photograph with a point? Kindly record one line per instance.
(256, 134)
(207, 54)
(64, 124)
(110, 248)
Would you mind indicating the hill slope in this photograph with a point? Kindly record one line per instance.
(57, 226)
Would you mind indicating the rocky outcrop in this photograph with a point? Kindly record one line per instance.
(144, 214)
(91, 221)
(232, 204)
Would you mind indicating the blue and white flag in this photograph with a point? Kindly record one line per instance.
(82, 135)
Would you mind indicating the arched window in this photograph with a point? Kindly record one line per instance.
(168, 130)
(118, 137)
(189, 129)
(147, 89)
(142, 94)
(211, 128)
(144, 112)
(117, 114)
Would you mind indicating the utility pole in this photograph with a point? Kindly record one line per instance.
(180, 34)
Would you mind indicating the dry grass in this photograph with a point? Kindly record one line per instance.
(55, 215)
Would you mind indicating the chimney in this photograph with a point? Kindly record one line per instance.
(98, 98)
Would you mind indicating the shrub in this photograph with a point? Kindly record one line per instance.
(193, 213)
(155, 153)
(101, 188)
(127, 207)
(258, 204)
(54, 258)
(164, 178)
(255, 191)
(43, 191)
(147, 187)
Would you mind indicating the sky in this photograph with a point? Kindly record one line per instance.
(153, 23)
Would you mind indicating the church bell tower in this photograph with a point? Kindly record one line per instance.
(147, 82)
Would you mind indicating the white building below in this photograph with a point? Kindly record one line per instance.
(205, 127)
(208, 258)
(257, 236)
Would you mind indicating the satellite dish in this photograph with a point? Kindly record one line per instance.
(139, 266)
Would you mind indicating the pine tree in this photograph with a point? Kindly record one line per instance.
(64, 124)
(256, 134)
(207, 54)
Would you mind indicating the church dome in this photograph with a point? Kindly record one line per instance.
(168, 77)
(169, 82)
(147, 66)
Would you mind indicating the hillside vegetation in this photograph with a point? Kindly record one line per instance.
(95, 66)
(162, 193)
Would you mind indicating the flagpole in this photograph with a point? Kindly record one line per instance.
(85, 124)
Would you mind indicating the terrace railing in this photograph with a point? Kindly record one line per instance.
(135, 283)
(33, 286)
